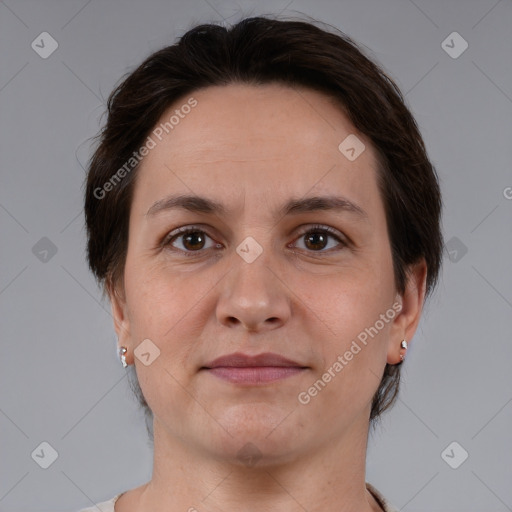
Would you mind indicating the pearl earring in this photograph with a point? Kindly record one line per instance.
(121, 352)
(403, 345)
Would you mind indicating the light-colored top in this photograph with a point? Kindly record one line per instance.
(108, 506)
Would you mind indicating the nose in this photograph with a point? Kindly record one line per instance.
(254, 296)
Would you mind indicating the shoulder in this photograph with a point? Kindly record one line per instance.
(383, 502)
(104, 506)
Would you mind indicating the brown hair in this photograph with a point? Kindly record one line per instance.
(262, 50)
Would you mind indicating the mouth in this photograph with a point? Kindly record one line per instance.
(264, 368)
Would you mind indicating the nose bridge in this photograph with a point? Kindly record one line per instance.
(252, 274)
(252, 294)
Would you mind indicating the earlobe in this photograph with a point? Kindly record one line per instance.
(406, 322)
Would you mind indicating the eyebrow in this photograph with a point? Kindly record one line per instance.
(198, 204)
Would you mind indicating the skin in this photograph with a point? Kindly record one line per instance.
(253, 148)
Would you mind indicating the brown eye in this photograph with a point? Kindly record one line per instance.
(193, 240)
(189, 240)
(316, 239)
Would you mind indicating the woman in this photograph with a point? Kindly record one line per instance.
(264, 218)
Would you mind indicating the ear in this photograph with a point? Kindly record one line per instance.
(412, 300)
(121, 318)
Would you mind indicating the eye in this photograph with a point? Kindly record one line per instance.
(191, 239)
(316, 238)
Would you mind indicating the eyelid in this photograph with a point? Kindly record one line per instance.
(323, 227)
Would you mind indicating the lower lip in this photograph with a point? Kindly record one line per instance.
(254, 374)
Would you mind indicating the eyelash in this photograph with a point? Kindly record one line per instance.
(317, 228)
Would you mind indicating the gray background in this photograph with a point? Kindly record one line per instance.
(60, 380)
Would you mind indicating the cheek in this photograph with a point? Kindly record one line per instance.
(352, 361)
(358, 308)
(168, 308)
(152, 298)
(354, 299)
(362, 331)
(160, 310)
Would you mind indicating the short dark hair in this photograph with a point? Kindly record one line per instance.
(261, 50)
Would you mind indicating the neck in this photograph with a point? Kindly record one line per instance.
(330, 477)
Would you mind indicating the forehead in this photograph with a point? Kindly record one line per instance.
(255, 140)
(235, 114)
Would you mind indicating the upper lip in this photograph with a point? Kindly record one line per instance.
(239, 360)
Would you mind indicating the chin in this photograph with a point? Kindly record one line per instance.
(246, 451)
(256, 432)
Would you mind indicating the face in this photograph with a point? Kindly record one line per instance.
(263, 269)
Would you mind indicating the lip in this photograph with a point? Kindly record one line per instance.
(263, 368)
(240, 360)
